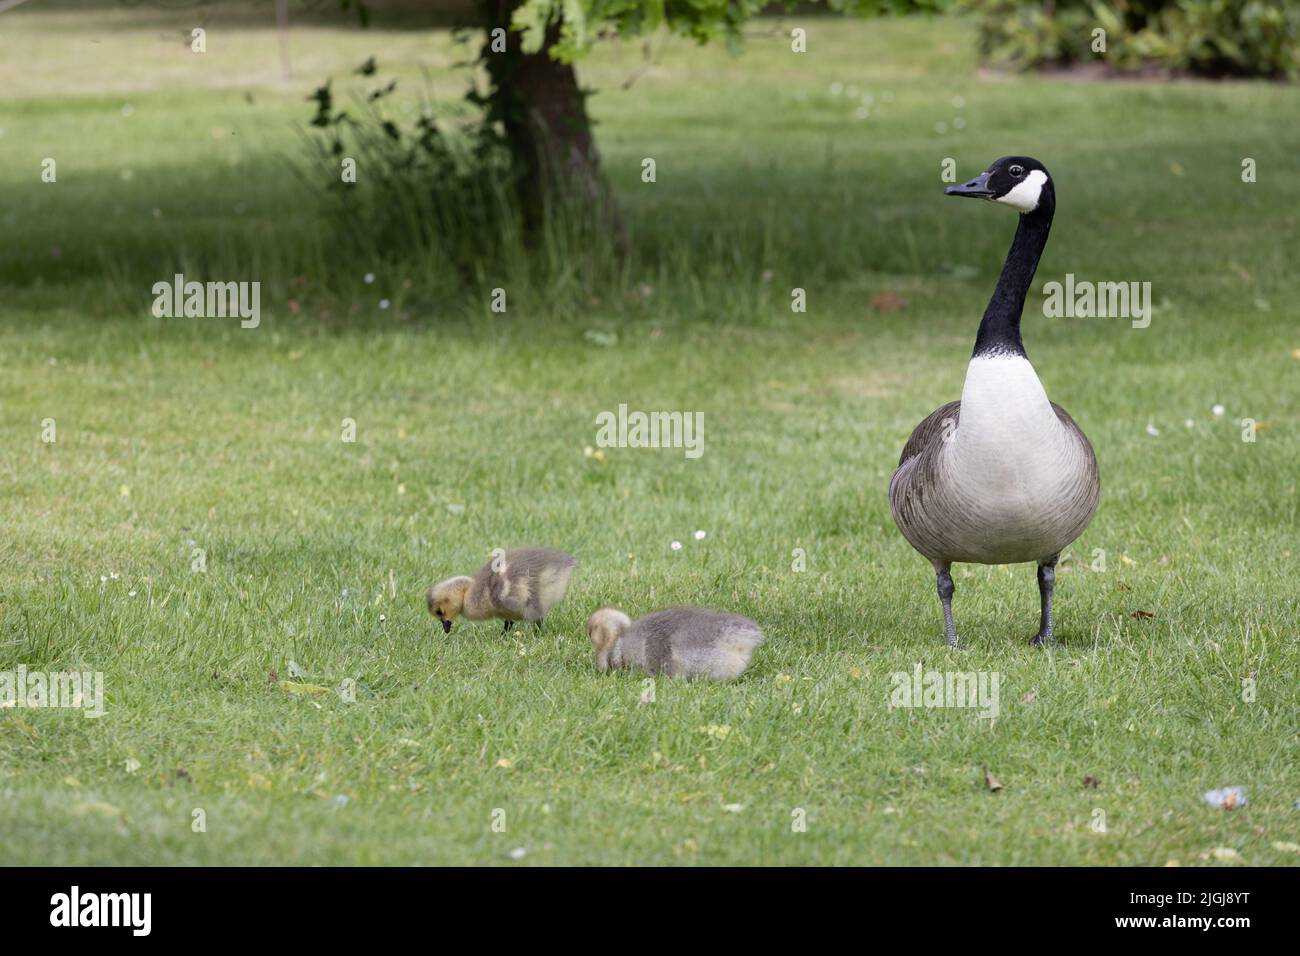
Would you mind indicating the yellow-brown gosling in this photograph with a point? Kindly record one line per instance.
(519, 585)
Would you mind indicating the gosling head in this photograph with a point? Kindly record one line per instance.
(1020, 182)
(447, 600)
(603, 629)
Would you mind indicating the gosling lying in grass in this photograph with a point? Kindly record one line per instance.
(685, 642)
(519, 585)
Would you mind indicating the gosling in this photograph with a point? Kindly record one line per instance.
(684, 642)
(519, 585)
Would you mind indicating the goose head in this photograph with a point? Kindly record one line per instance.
(603, 628)
(447, 599)
(1020, 182)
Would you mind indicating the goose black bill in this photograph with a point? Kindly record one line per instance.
(977, 188)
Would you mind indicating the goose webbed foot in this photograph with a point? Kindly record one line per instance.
(1046, 581)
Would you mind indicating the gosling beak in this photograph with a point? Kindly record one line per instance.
(977, 188)
(446, 627)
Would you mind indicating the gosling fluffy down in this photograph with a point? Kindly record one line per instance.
(519, 585)
(684, 642)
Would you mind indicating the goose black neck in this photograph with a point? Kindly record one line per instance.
(999, 332)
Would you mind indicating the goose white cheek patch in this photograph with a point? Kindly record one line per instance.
(1025, 196)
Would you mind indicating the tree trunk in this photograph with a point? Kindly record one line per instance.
(543, 111)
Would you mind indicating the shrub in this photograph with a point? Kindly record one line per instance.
(436, 187)
(1258, 38)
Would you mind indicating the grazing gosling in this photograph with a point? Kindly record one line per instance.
(680, 642)
(519, 585)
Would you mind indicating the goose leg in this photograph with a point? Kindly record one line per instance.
(505, 628)
(944, 580)
(538, 622)
(1046, 579)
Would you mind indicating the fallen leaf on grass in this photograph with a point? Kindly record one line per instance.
(1029, 697)
(888, 302)
(721, 731)
(303, 690)
(1224, 854)
(1091, 781)
(1143, 615)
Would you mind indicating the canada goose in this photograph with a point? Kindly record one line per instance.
(680, 642)
(1004, 475)
(519, 585)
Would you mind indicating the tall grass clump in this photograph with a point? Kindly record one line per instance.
(439, 196)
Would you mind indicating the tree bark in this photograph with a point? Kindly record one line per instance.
(543, 112)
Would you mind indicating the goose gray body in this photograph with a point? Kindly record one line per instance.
(1017, 488)
(679, 642)
(1004, 475)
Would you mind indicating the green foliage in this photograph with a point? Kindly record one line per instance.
(583, 21)
(439, 185)
(1205, 37)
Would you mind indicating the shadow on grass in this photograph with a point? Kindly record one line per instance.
(105, 242)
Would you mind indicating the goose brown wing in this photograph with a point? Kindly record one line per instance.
(931, 430)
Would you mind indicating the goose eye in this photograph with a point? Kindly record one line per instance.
(1017, 171)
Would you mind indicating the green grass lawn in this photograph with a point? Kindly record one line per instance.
(183, 434)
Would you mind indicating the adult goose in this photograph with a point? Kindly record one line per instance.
(1003, 476)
